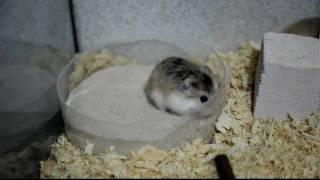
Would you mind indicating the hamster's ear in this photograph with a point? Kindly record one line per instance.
(186, 84)
(206, 70)
(188, 81)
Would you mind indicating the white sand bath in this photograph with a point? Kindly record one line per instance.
(114, 97)
(107, 105)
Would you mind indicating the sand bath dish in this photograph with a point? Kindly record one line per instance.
(103, 100)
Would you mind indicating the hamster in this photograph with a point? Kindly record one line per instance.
(180, 87)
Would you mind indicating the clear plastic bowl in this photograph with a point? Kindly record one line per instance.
(145, 52)
(29, 100)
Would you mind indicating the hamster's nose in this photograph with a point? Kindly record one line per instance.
(203, 99)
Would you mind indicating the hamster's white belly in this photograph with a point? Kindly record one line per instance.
(176, 102)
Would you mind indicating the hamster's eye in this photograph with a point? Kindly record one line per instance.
(203, 99)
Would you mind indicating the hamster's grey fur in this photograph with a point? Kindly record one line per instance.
(179, 86)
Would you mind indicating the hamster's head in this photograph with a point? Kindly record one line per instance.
(198, 85)
(194, 96)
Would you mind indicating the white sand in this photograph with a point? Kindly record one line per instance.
(114, 97)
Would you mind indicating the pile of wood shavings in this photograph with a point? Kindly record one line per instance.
(256, 148)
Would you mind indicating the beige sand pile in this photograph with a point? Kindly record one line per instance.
(256, 148)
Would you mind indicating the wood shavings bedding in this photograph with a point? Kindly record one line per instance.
(263, 148)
